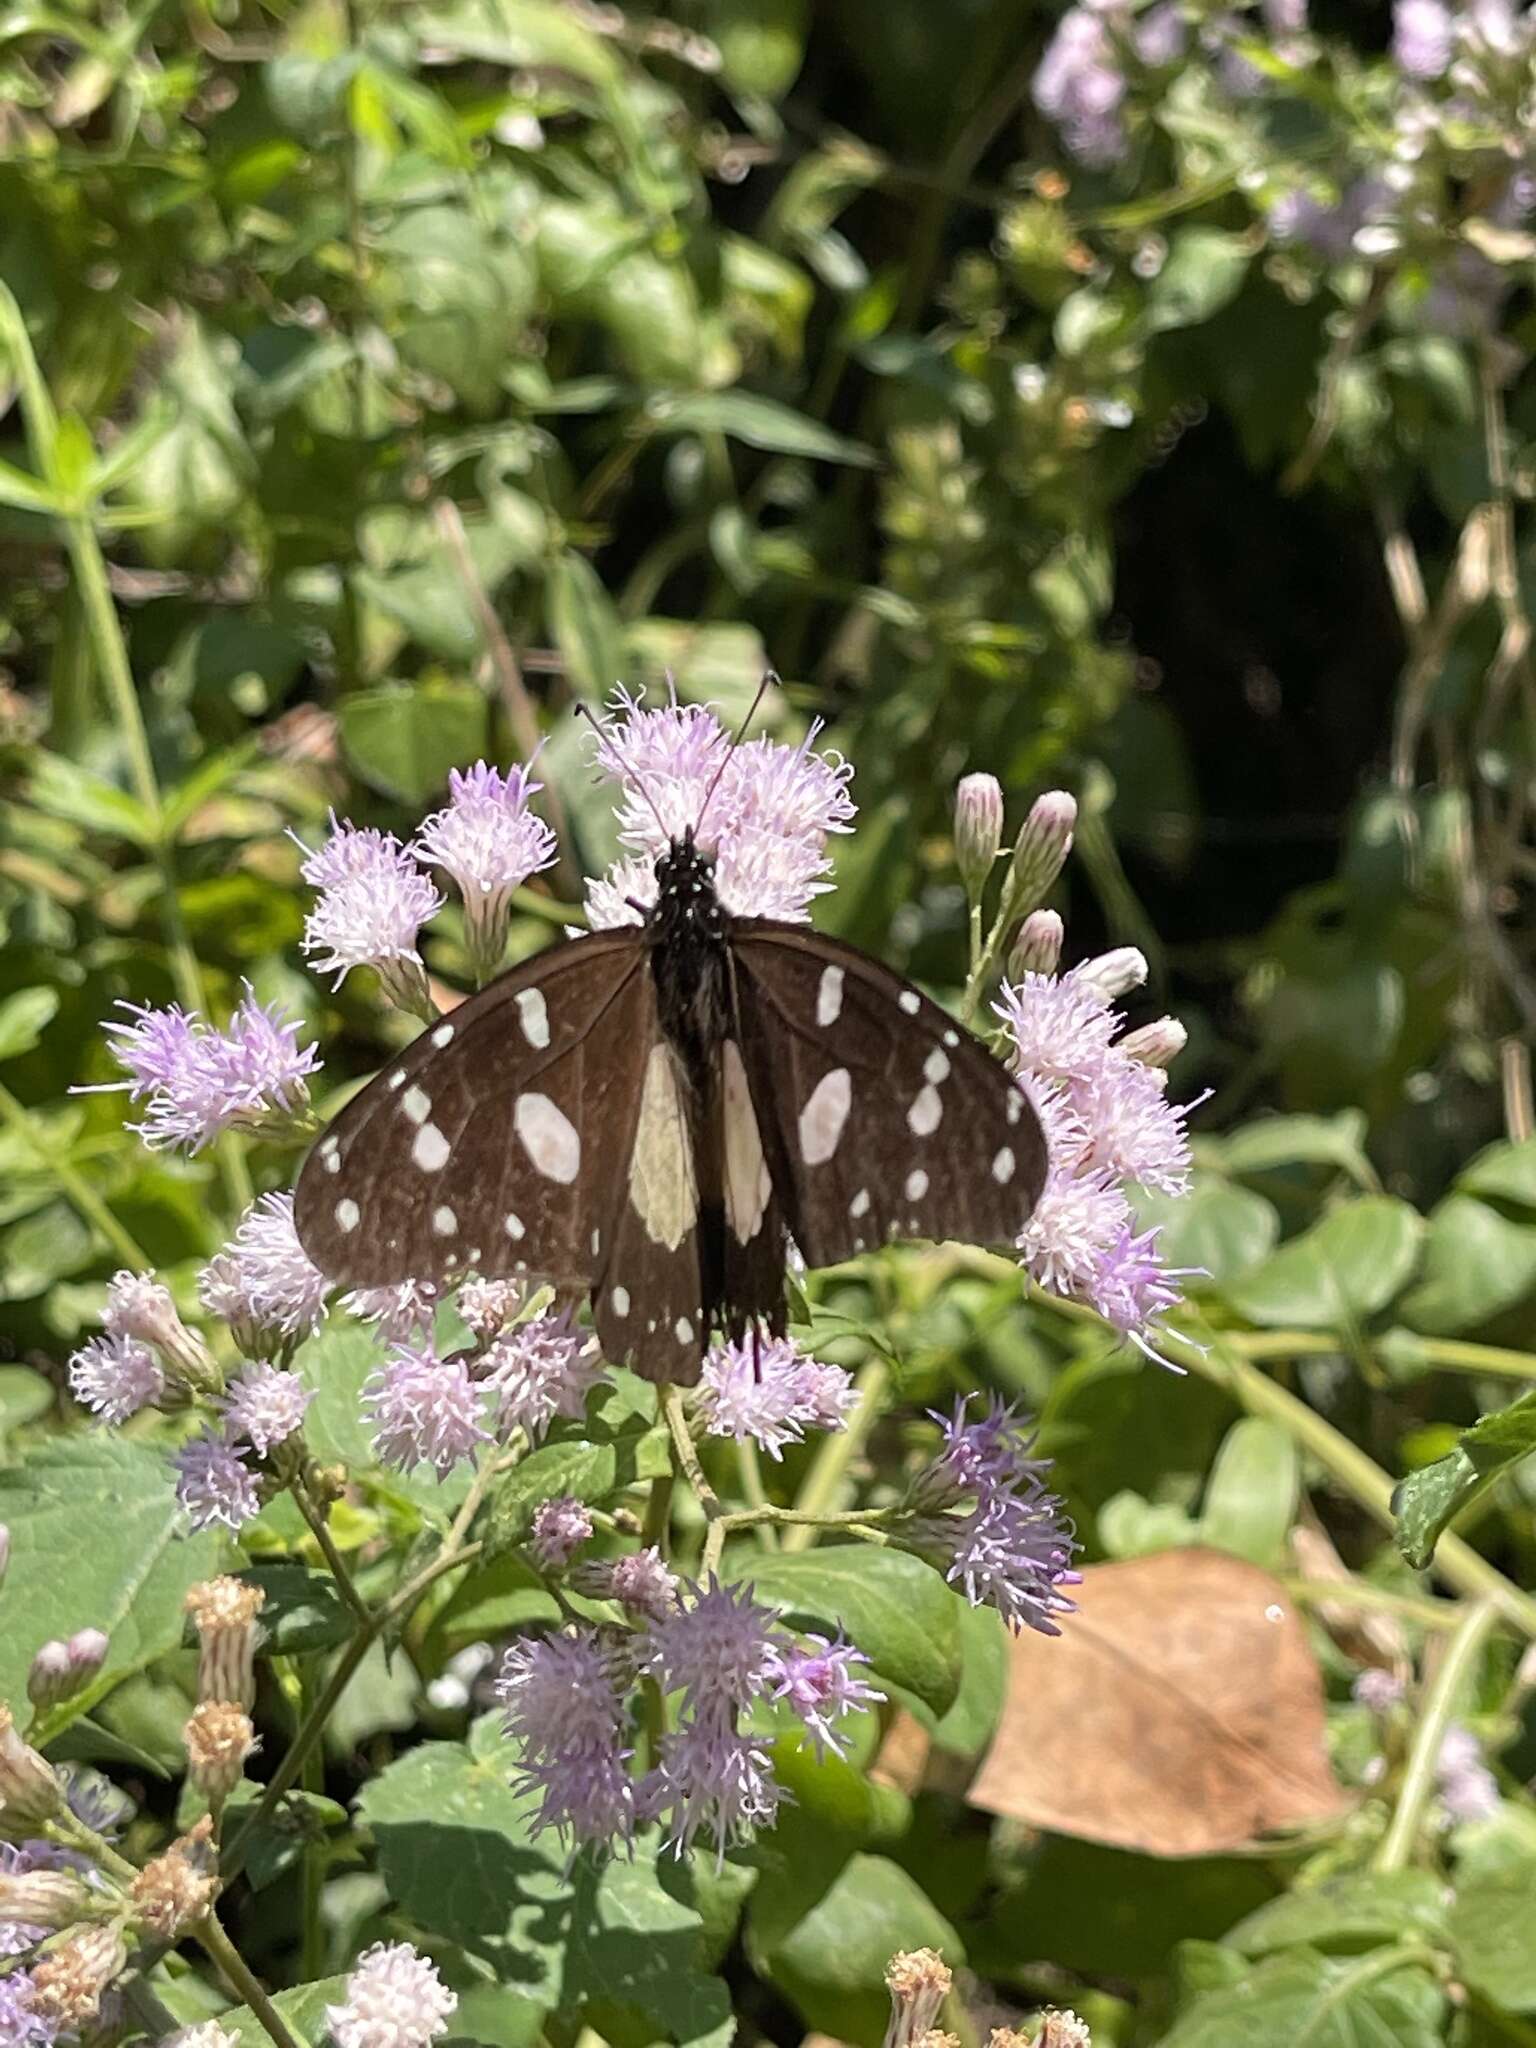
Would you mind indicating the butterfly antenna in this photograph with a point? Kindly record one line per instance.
(768, 680)
(615, 764)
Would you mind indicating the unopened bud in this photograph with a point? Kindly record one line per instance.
(978, 829)
(918, 1980)
(224, 1612)
(1157, 1044)
(68, 1983)
(1040, 851)
(177, 1890)
(140, 1306)
(219, 1738)
(1037, 945)
(560, 1527)
(44, 1898)
(1115, 974)
(59, 1670)
(640, 1582)
(30, 1792)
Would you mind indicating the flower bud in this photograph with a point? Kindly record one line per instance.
(44, 1898)
(30, 1791)
(918, 1980)
(224, 1612)
(68, 1983)
(1157, 1044)
(640, 1582)
(1040, 852)
(1037, 945)
(219, 1738)
(141, 1307)
(1116, 973)
(59, 1670)
(175, 1891)
(560, 1527)
(978, 829)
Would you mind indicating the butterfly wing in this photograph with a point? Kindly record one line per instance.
(497, 1140)
(881, 1116)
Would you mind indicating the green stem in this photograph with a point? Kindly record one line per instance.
(658, 1513)
(81, 1196)
(1435, 1614)
(315, 1859)
(218, 1946)
(1417, 1789)
(830, 1465)
(749, 1466)
(1449, 1354)
(315, 1517)
(685, 1455)
(1502, 2022)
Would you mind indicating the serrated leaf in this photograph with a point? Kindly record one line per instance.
(1428, 1500)
(1339, 1272)
(895, 1608)
(303, 2008)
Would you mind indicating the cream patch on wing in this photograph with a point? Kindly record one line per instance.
(662, 1183)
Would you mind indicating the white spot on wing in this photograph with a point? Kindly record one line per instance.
(330, 1156)
(747, 1182)
(620, 1299)
(916, 1184)
(1003, 1165)
(430, 1151)
(348, 1215)
(597, 1242)
(397, 1078)
(662, 1185)
(859, 1206)
(417, 1104)
(684, 1330)
(548, 1136)
(444, 1222)
(951, 1038)
(512, 1224)
(1015, 1105)
(829, 996)
(443, 1035)
(823, 1117)
(936, 1067)
(924, 1117)
(533, 1014)
(910, 1001)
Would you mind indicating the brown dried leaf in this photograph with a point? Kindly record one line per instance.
(1180, 1713)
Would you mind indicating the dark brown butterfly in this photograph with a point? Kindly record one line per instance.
(653, 1113)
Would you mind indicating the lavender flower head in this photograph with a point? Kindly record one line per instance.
(820, 1684)
(537, 1370)
(639, 1582)
(716, 1651)
(767, 820)
(394, 1999)
(489, 842)
(264, 1406)
(402, 1313)
(115, 1377)
(263, 1283)
(1080, 86)
(560, 1527)
(563, 1697)
(425, 1410)
(765, 1389)
(373, 901)
(196, 1082)
(1423, 37)
(214, 1485)
(20, 2025)
(1468, 1789)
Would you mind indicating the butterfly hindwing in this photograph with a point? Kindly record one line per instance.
(881, 1116)
(494, 1140)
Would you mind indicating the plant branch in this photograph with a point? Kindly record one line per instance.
(830, 1465)
(315, 1518)
(211, 1937)
(1417, 1788)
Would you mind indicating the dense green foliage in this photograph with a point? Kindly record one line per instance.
(388, 377)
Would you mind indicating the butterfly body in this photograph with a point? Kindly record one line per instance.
(652, 1114)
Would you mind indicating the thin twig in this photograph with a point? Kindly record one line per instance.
(1417, 1788)
(211, 1937)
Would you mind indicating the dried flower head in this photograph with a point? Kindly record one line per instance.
(177, 1889)
(219, 1738)
(67, 1985)
(224, 1612)
(919, 1981)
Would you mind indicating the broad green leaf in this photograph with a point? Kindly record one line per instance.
(1250, 1498)
(1476, 1264)
(24, 1017)
(1218, 1228)
(1334, 1275)
(303, 1609)
(609, 1456)
(97, 1541)
(403, 739)
(585, 626)
(1204, 272)
(1302, 1996)
(1359, 1910)
(1427, 1500)
(1503, 1173)
(454, 298)
(970, 1724)
(64, 790)
(24, 1396)
(1275, 1141)
(896, 1609)
(760, 423)
(1493, 1933)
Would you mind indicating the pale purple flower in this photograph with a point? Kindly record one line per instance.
(1160, 35)
(1134, 1131)
(115, 1377)
(373, 901)
(1079, 85)
(563, 1697)
(1468, 1789)
(264, 1406)
(214, 1485)
(715, 1651)
(820, 1684)
(711, 1780)
(196, 1082)
(487, 1306)
(489, 841)
(16, 1936)
(765, 1389)
(406, 1310)
(425, 1410)
(537, 1370)
(20, 2026)
(1423, 37)
(263, 1283)
(394, 1998)
(639, 1581)
(141, 1307)
(1132, 1288)
(1378, 1691)
(1060, 1025)
(560, 1527)
(93, 1798)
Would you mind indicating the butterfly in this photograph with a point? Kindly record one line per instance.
(652, 1114)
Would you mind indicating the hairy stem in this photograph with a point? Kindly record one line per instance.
(217, 1945)
(1457, 1667)
(315, 1518)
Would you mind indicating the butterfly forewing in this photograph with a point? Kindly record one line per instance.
(496, 1141)
(882, 1117)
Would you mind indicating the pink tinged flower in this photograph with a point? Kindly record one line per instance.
(489, 842)
(20, 2025)
(264, 1284)
(978, 829)
(764, 1389)
(373, 901)
(710, 1780)
(141, 1307)
(264, 1406)
(402, 1312)
(538, 1370)
(1468, 1789)
(425, 1410)
(560, 1527)
(820, 1684)
(1160, 34)
(1060, 1026)
(1134, 1132)
(563, 1697)
(716, 1651)
(217, 1489)
(1080, 87)
(487, 1306)
(1036, 945)
(196, 1082)
(640, 1582)
(1378, 1691)
(115, 1377)
(394, 1999)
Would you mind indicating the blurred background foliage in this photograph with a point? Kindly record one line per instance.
(417, 370)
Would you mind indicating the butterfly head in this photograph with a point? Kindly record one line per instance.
(686, 903)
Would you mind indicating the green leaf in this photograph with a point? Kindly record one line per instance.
(1427, 1500)
(895, 1608)
(1334, 1275)
(1250, 1499)
(1493, 1931)
(1476, 1263)
(1204, 272)
(1218, 1228)
(24, 1017)
(967, 1729)
(303, 2008)
(760, 423)
(97, 1541)
(1323, 2001)
(403, 739)
(1503, 1173)
(1360, 1910)
(585, 626)
(63, 790)
(303, 1609)
(1275, 1141)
